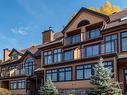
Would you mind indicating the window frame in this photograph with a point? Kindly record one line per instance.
(57, 54)
(13, 83)
(46, 57)
(26, 66)
(121, 41)
(71, 50)
(88, 33)
(91, 46)
(58, 72)
(92, 71)
(115, 41)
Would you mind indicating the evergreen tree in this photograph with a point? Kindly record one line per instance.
(103, 82)
(48, 88)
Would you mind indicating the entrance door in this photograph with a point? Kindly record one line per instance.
(125, 80)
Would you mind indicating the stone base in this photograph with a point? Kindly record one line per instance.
(75, 91)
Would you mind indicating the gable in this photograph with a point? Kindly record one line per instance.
(85, 14)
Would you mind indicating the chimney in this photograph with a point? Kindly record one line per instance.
(47, 35)
(6, 54)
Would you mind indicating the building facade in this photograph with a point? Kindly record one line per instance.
(68, 57)
(19, 71)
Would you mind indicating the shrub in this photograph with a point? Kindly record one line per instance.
(4, 91)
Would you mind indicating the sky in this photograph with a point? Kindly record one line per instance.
(23, 21)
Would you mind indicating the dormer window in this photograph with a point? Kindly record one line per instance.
(124, 18)
(83, 23)
(15, 57)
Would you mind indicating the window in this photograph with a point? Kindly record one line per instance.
(3, 72)
(73, 39)
(48, 57)
(63, 74)
(57, 55)
(84, 72)
(21, 84)
(17, 84)
(13, 85)
(51, 74)
(15, 56)
(28, 66)
(109, 65)
(124, 18)
(83, 23)
(124, 41)
(111, 43)
(69, 55)
(91, 50)
(95, 33)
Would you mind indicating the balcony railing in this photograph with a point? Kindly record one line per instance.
(98, 51)
(102, 49)
(72, 39)
(13, 73)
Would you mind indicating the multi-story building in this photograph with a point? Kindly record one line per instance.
(19, 71)
(68, 57)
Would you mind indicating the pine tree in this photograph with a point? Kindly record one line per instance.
(48, 88)
(103, 82)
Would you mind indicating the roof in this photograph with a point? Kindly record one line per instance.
(105, 17)
(115, 20)
(33, 50)
(15, 51)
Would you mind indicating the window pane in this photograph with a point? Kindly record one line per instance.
(75, 38)
(124, 44)
(68, 55)
(57, 56)
(111, 43)
(48, 57)
(87, 73)
(79, 74)
(89, 51)
(95, 33)
(61, 76)
(54, 76)
(92, 50)
(124, 34)
(96, 50)
(109, 65)
(68, 75)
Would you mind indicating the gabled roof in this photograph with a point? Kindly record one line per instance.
(33, 51)
(27, 52)
(15, 51)
(105, 17)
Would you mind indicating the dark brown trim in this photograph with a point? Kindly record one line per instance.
(57, 69)
(114, 29)
(65, 63)
(51, 46)
(121, 42)
(15, 51)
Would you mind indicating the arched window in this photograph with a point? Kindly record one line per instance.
(28, 66)
(83, 23)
